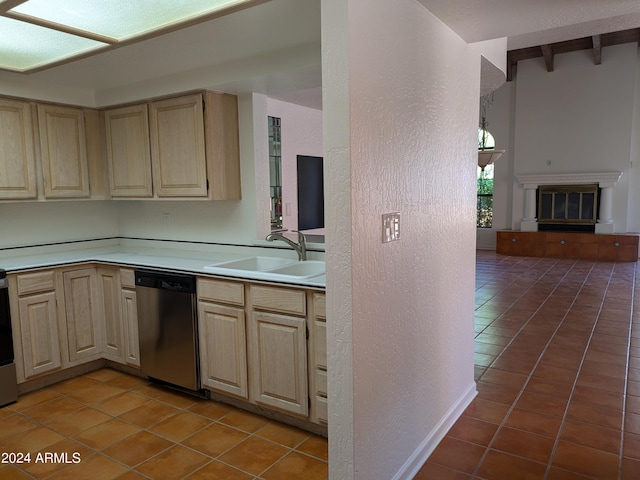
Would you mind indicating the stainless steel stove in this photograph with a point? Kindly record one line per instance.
(8, 382)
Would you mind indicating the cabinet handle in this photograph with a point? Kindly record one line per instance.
(562, 242)
(514, 240)
(617, 244)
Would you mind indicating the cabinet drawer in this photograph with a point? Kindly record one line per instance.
(322, 410)
(36, 282)
(127, 278)
(320, 305)
(279, 299)
(221, 291)
(321, 382)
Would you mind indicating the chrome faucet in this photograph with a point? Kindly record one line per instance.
(300, 247)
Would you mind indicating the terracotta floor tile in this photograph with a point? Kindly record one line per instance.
(586, 461)
(597, 397)
(555, 373)
(106, 374)
(283, 434)
(316, 447)
(549, 387)
(11, 472)
(433, 471)
(120, 403)
(218, 471)
(149, 414)
(15, 424)
(78, 421)
(560, 474)
(95, 393)
(457, 454)
(541, 403)
(66, 446)
(246, 421)
(473, 430)
(74, 385)
(180, 426)
(501, 377)
(497, 393)
(602, 382)
(148, 390)
(138, 448)
(488, 411)
(501, 466)
(296, 466)
(211, 409)
(176, 462)
(523, 444)
(127, 381)
(177, 399)
(631, 445)
(96, 467)
(34, 398)
(630, 468)
(594, 415)
(61, 406)
(35, 440)
(105, 434)
(534, 422)
(254, 455)
(632, 423)
(592, 436)
(215, 439)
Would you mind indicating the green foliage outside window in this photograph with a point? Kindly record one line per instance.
(485, 197)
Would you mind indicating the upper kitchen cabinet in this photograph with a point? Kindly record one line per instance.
(128, 151)
(184, 147)
(17, 161)
(64, 151)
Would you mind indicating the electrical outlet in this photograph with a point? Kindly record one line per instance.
(390, 227)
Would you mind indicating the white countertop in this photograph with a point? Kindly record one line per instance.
(165, 259)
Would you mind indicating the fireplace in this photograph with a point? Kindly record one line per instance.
(567, 208)
(569, 201)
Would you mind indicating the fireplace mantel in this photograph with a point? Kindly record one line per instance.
(605, 180)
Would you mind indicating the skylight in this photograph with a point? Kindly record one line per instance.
(38, 34)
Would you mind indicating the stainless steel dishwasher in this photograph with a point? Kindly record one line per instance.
(167, 325)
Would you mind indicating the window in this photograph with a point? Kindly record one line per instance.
(275, 171)
(485, 197)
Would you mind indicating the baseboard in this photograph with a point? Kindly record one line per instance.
(429, 444)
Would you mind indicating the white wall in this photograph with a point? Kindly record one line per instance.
(35, 223)
(579, 118)
(301, 135)
(409, 140)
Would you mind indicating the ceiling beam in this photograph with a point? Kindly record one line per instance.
(547, 53)
(597, 49)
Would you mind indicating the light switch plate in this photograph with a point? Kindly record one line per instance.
(390, 227)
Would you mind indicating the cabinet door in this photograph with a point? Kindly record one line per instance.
(64, 152)
(130, 322)
(223, 351)
(112, 331)
(278, 347)
(17, 175)
(39, 334)
(83, 321)
(177, 147)
(128, 151)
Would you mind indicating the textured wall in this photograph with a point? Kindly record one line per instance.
(413, 89)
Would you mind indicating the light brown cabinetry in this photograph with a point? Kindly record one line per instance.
(17, 157)
(112, 326)
(318, 358)
(129, 312)
(82, 332)
(64, 152)
(222, 336)
(128, 151)
(35, 326)
(184, 147)
(278, 348)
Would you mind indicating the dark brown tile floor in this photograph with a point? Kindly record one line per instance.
(120, 426)
(557, 359)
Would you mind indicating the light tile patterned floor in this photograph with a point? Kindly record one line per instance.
(558, 374)
(120, 426)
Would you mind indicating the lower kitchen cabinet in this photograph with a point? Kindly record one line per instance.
(35, 326)
(129, 316)
(82, 332)
(113, 346)
(223, 351)
(318, 358)
(278, 361)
